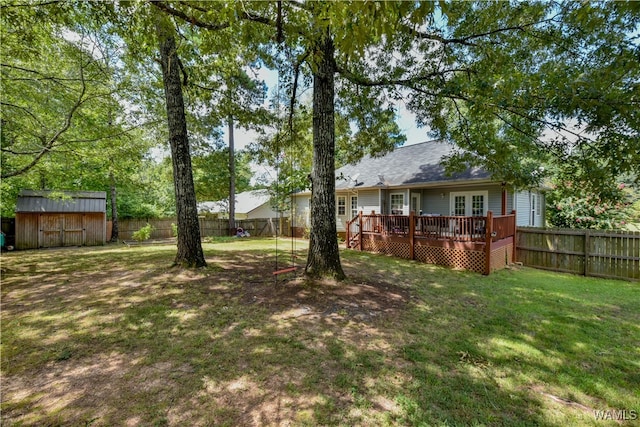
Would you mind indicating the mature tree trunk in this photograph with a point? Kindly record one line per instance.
(232, 179)
(324, 256)
(189, 246)
(114, 209)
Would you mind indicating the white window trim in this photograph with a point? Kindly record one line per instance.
(338, 205)
(391, 202)
(468, 199)
(351, 210)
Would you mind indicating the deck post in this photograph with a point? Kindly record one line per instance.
(347, 235)
(412, 229)
(504, 199)
(360, 230)
(487, 245)
(515, 230)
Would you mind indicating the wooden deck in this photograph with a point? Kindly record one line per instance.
(479, 243)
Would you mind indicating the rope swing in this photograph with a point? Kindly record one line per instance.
(280, 157)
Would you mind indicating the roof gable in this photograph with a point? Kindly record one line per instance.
(409, 165)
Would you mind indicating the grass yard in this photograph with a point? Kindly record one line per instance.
(112, 336)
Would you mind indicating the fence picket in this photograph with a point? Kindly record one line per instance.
(162, 228)
(586, 252)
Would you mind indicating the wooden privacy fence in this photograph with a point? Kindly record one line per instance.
(600, 253)
(162, 228)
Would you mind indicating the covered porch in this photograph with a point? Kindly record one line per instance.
(478, 243)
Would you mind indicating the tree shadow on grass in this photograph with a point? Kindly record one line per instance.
(398, 343)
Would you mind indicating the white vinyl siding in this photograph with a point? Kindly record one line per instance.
(529, 206)
(369, 200)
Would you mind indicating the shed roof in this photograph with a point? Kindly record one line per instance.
(30, 201)
(408, 165)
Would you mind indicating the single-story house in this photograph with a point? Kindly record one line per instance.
(411, 178)
(404, 204)
(249, 205)
(46, 219)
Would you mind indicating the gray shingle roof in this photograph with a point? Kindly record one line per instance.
(71, 201)
(410, 165)
(245, 202)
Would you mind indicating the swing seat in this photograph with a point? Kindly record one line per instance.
(285, 270)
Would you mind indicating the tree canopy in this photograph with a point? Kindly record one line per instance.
(524, 89)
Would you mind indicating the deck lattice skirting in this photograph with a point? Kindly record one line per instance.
(479, 244)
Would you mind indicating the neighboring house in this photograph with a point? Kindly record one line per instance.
(411, 178)
(249, 205)
(46, 219)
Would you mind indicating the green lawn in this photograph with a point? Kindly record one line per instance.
(114, 336)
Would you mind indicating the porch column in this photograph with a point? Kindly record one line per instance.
(412, 228)
(504, 200)
(487, 246)
(360, 229)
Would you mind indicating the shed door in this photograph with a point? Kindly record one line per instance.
(72, 231)
(50, 230)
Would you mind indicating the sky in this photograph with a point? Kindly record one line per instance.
(406, 120)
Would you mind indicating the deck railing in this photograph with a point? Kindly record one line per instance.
(478, 230)
(457, 228)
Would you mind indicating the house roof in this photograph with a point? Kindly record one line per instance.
(245, 202)
(30, 201)
(416, 164)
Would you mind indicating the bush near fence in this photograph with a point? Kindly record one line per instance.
(258, 227)
(599, 253)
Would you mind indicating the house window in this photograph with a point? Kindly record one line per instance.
(472, 203)
(354, 206)
(397, 204)
(342, 205)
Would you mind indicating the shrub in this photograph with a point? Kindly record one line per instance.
(570, 209)
(143, 234)
(174, 230)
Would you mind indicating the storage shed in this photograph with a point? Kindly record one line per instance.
(47, 219)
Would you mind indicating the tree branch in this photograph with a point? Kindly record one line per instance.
(190, 19)
(51, 142)
(466, 41)
(408, 82)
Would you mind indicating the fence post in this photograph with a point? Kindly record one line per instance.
(412, 227)
(360, 229)
(587, 243)
(487, 245)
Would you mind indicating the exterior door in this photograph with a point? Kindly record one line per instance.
(50, 230)
(354, 207)
(415, 203)
(469, 203)
(73, 230)
(459, 205)
(534, 209)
